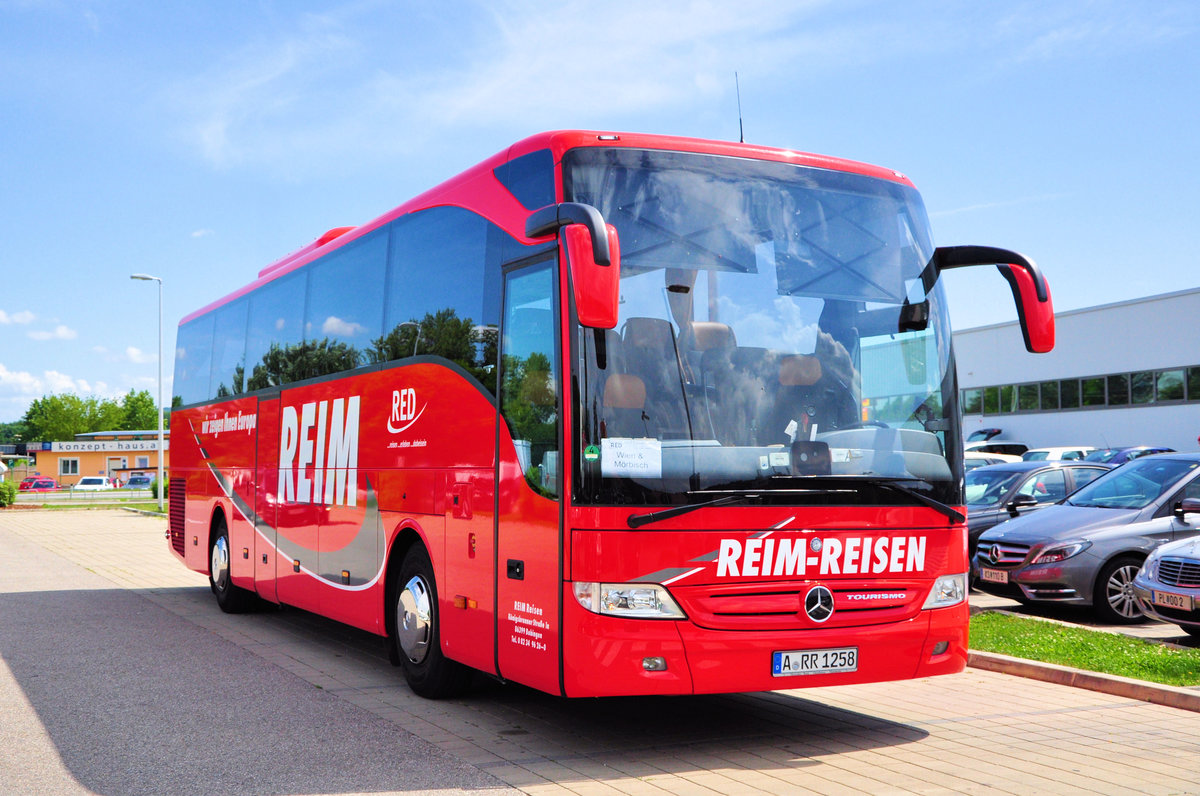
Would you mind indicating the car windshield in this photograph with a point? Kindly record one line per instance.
(986, 487)
(1134, 485)
(776, 322)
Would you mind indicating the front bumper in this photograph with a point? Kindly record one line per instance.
(1069, 582)
(603, 656)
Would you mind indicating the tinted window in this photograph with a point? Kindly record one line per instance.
(972, 402)
(276, 332)
(345, 305)
(443, 295)
(530, 178)
(1093, 392)
(229, 349)
(193, 360)
(1049, 395)
(1027, 396)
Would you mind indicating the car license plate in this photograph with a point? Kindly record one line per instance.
(841, 659)
(993, 575)
(1168, 600)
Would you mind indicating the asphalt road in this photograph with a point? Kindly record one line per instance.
(118, 675)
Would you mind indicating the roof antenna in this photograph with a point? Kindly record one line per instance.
(738, 89)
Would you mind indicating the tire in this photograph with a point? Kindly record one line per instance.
(1112, 599)
(231, 599)
(416, 635)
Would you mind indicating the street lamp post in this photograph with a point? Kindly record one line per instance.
(161, 483)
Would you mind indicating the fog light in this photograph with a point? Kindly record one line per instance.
(940, 648)
(654, 664)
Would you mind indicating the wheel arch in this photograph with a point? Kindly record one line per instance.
(215, 519)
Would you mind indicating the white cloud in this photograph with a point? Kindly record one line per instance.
(338, 328)
(202, 233)
(140, 357)
(24, 316)
(60, 332)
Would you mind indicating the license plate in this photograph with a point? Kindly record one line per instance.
(1168, 600)
(841, 659)
(993, 575)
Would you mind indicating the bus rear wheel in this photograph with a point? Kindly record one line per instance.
(231, 599)
(416, 634)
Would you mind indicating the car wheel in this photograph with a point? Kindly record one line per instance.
(232, 599)
(416, 634)
(1113, 599)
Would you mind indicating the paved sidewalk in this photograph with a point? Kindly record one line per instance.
(977, 732)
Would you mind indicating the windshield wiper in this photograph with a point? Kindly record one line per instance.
(892, 484)
(638, 520)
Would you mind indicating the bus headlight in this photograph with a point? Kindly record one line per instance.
(947, 590)
(632, 600)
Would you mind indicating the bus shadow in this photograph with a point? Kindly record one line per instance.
(134, 700)
(790, 730)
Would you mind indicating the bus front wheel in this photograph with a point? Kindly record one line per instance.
(416, 634)
(232, 599)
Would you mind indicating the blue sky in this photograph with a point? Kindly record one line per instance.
(200, 141)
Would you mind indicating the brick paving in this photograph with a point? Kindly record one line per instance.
(977, 732)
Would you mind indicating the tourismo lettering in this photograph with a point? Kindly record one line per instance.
(324, 469)
(854, 555)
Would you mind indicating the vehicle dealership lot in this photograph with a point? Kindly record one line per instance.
(120, 675)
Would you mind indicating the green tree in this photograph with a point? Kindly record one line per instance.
(139, 410)
(61, 417)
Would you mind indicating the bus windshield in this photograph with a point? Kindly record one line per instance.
(780, 331)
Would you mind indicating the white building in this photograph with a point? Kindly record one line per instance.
(1120, 374)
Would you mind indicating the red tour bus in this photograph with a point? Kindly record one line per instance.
(606, 414)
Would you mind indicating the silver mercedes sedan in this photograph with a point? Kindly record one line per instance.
(1086, 549)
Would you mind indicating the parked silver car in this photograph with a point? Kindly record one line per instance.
(1087, 549)
(1168, 585)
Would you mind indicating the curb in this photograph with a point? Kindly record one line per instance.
(1171, 696)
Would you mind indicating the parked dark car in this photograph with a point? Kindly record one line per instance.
(1115, 456)
(1087, 549)
(1001, 492)
(1167, 586)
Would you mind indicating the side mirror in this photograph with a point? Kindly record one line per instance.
(593, 257)
(1187, 506)
(1021, 502)
(1030, 290)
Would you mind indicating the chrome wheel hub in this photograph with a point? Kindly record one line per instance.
(413, 620)
(219, 565)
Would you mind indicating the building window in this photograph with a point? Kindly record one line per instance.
(1049, 400)
(1193, 384)
(1008, 399)
(1093, 392)
(142, 462)
(68, 467)
(1118, 390)
(1170, 385)
(1027, 397)
(1068, 394)
(991, 400)
(972, 402)
(1142, 387)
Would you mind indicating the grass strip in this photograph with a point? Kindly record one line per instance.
(1080, 648)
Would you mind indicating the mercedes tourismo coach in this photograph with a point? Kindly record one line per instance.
(605, 414)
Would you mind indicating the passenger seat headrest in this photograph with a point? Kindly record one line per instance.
(712, 334)
(623, 391)
(799, 371)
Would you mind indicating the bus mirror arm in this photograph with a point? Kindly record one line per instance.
(1031, 291)
(593, 254)
(549, 219)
